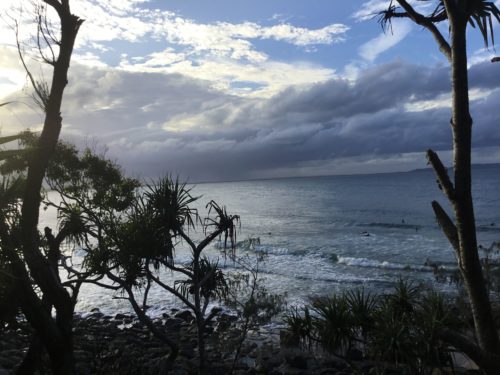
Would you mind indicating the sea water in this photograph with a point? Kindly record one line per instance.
(323, 235)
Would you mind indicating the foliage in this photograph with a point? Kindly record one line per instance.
(129, 234)
(479, 13)
(247, 296)
(400, 327)
(11, 188)
(490, 262)
(15, 153)
(461, 230)
(300, 324)
(214, 285)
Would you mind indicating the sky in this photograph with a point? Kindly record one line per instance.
(226, 90)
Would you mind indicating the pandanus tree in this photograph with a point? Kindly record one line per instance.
(461, 230)
(134, 248)
(129, 235)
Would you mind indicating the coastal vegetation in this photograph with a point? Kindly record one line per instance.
(21, 244)
(129, 234)
(460, 232)
(398, 330)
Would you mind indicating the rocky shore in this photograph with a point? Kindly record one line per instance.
(122, 345)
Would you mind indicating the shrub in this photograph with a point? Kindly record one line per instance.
(400, 328)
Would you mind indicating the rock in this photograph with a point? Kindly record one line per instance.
(269, 361)
(120, 316)
(288, 339)
(95, 309)
(185, 315)
(295, 358)
(95, 315)
(354, 354)
(227, 318)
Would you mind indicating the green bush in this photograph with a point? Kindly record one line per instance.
(398, 329)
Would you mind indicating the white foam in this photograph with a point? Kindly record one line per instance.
(271, 250)
(371, 263)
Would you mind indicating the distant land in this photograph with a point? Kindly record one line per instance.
(474, 166)
(428, 169)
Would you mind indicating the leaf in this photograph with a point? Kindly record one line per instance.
(5, 154)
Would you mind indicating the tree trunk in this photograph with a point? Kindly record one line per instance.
(144, 319)
(59, 346)
(200, 320)
(469, 263)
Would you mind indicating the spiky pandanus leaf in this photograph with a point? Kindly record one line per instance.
(479, 13)
(214, 282)
(224, 222)
(169, 205)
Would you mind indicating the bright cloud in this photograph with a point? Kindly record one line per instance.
(264, 78)
(386, 40)
(224, 53)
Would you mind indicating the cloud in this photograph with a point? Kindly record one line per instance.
(383, 120)
(263, 79)
(225, 53)
(132, 21)
(386, 40)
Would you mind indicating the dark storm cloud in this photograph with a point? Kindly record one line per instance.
(155, 123)
(379, 88)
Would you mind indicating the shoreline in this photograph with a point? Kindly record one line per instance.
(120, 344)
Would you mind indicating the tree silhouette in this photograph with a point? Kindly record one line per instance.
(31, 269)
(461, 232)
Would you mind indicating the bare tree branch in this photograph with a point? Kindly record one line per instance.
(447, 225)
(57, 6)
(442, 175)
(41, 95)
(428, 23)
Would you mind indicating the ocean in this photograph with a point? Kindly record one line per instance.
(323, 235)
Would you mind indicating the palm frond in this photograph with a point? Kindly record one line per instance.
(479, 13)
(170, 201)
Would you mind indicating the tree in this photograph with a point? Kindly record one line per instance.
(33, 266)
(132, 248)
(461, 232)
(129, 234)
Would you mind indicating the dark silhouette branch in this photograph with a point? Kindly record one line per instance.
(483, 359)
(447, 225)
(41, 96)
(174, 291)
(420, 19)
(442, 175)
